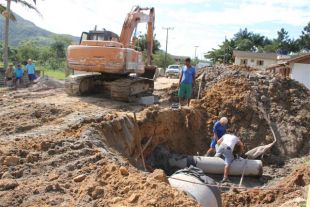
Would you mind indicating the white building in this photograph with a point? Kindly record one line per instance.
(297, 68)
(257, 60)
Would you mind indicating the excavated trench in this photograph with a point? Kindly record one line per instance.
(183, 131)
(157, 132)
(186, 131)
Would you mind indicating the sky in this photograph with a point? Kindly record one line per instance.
(203, 23)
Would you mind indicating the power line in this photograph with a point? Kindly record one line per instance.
(166, 28)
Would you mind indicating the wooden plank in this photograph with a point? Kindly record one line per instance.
(139, 141)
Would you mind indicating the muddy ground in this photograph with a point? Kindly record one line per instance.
(57, 150)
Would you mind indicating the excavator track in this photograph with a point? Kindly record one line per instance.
(78, 85)
(126, 89)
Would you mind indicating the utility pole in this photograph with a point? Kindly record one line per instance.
(6, 35)
(196, 51)
(225, 52)
(166, 28)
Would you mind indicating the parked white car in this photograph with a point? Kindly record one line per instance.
(173, 71)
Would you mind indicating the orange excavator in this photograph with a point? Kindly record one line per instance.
(106, 63)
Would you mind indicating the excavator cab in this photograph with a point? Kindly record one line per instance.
(103, 35)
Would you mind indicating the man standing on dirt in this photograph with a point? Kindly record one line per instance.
(31, 71)
(227, 144)
(19, 74)
(9, 75)
(186, 82)
(219, 129)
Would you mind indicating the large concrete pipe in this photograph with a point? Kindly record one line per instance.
(192, 181)
(215, 165)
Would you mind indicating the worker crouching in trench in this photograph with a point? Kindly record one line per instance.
(227, 143)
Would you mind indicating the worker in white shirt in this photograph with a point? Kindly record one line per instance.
(227, 144)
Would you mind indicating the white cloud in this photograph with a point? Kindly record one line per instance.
(195, 22)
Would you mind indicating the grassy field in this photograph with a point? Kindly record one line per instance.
(58, 74)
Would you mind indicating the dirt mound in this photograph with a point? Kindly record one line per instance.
(285, 191)
(238, 94)
(115, 186)
(241, 68)
(46, 83)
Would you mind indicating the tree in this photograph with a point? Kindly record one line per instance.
(5, 13)
(285, 44)
(271, 47)
(28, 49)
(159, 59)
(249, 41)
(258, 40)
(58, 49)
(8, 15)
(224, 54)
(254, 42)
(142, 43)
(304, 41)
(245, 45)
(243, 34)
(242, 40)
(59, 46)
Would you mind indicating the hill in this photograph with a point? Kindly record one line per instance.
(23, 29)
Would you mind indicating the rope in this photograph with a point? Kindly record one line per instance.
(235, 187)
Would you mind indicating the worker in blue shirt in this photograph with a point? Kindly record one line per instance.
(19, 74)
(219, 129)
(31, 70)
(186, 82)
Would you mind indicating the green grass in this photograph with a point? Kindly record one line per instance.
(57, 74)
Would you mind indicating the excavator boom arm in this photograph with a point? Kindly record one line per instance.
(150, 33)
(133, 18)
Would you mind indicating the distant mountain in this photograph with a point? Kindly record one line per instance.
(23, 29)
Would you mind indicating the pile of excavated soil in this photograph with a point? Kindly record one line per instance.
(237, 95)
(46, 83)
(288, 192)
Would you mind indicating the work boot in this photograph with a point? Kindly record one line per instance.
(225, 180)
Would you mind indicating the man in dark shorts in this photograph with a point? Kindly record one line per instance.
(31, 70)
(186, 81)
(219, 129)
(19, 74)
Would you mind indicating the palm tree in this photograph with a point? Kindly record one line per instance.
(6, 12)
